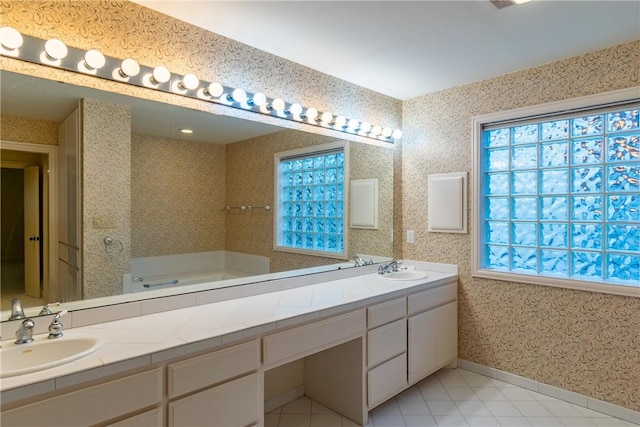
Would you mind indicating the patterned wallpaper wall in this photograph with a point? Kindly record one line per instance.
(580, 341)
(23, 129)
(250, 177)
(177, 196)
(106, 196)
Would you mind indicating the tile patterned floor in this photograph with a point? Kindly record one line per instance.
(452, 397)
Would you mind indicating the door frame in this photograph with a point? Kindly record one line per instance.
(49, 210)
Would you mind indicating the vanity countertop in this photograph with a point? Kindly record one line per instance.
(139, 341)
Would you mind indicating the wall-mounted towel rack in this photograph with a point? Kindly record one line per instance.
(247, 208)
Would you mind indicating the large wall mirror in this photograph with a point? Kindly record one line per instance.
(141, 208)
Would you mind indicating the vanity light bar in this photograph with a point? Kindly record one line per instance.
(55, 53)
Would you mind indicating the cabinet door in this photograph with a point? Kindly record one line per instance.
(387, 380)
(230, 404)
(146, 419)
(422, 349)
(446, 333)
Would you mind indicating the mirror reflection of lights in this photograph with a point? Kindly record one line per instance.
(215, 90)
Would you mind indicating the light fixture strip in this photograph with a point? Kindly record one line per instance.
(32, 48)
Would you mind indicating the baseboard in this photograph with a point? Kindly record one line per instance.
(552, 391)
(283, 399)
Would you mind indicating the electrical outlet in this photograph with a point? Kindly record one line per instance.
(409, 236)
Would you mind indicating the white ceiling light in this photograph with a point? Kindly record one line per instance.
(160, 75)
(190, 82)
(55, 50)
(10, 38)
(129, 68)
(278, 105)
(258, 99)
(215, 90)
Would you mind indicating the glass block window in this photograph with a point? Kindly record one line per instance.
(310, 201)
(559, 196)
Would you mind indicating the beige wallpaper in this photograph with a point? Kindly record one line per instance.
(24, 129)
(177, 196)
(106, 207)
(580, 341)
(250, 182)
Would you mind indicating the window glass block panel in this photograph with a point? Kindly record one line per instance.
(307, 225)
(525, 233)
(287, 209)
(623, 147)
(318, 193)
(498, 159)
(340, 243)
(554, 262)
(287, 223)
(340, 160)
(525, 134)
(586, 180)
(307, 193)
(307, 163)
(524, 157)
(319, 242)
(553, 208)
(587, 151)
(497, 137)
(340, 175)
(553, 235)
(586, 236)
(297, 164)
(331, 175)
(298, 178)
(340, 192)
(524, 182)
(318, 177)
(286, 166)
(586, 208)
(297, 209)
(331, 192)
(553, 154)
(297, 224)
(331, 161)
(558, 129)
(287, 193)
(298, 193)
(332, 225)
(525, 260)
(623, 238)
(622, 121)
(554, 181)
(308, 209)
(624, 177)
(497, 257)
(623, 207)
(525, 208)
(332, 242)
(318, 209)
(498, 208)
(498, 232)
(624, 268)
(331, 208)
(297, 240)
(587, 265)
(497, 184)
(308, 240)
(320, 225)
(287, 239)
(318, 162)
(589, 125)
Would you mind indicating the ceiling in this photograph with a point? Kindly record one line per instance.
(406, 49)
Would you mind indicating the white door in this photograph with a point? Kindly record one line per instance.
(32, 231)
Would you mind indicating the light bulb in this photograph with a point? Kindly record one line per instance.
(10, 38)
(397, 134)
(295, 109)
(189, 82)
(278, 105)
(215, 90)
(340, 121)
(258, 99)
(94, 59)
(376, 130)
(160, 75)
(353, 124)
(129, 68)
(326, 117)
(386, 132)
(55, 49)
(311, 114)
(365, 127)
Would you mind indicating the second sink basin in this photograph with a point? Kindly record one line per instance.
(405, 275)
(38, 355)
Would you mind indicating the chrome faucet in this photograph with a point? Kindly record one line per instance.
(24, 334)
(359, 261)
(389, 268)
(55, 328)
(16, 310)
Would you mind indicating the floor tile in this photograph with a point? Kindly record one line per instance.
(472, 408)
(610, 421)
(461, 393)
(561, 409)
(388, 420)
(499, 408)
(489, 393)
(443, 408)
(434, 392)
(317, 408)
(544, 421)
(518, 394)
(298, 406)
(576, 421)
(478, 381)
(419, 421)
(295, 420)
(513, 421)
(326, 420)
(482, 421)
(413, 407)
(389, 407)
(271, 420)
(531, 408)
(450, 420)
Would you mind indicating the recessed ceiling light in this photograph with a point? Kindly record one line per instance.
(189, 131)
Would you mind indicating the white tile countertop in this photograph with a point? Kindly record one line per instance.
(138, 341)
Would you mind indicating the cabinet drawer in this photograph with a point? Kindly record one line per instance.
(92, 405)
(386, 312)
(387, 380)
(231, 404)
(212, 368)
(309, 339)
(425, 300)
(386, 342)
(146, 419)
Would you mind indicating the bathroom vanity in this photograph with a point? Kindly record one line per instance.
(363, 339)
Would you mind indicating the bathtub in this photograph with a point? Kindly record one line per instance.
(140, 284)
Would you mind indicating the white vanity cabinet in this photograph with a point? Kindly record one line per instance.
(432, 331)
(226, 387)
(386, 350)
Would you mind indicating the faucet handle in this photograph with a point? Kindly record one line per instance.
(24, 334)
(55, 328)
(17, 311)
(45, 310)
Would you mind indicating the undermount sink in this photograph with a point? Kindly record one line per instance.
(18, 359)
(404, 275)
